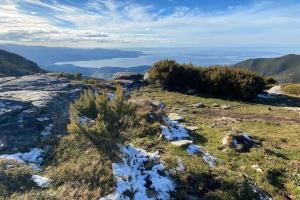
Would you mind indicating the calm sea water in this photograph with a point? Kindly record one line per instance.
(197, 56)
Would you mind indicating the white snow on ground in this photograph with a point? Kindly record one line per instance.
(33, 157)
(42, 119)
(41, 181)
(85, 120)
(133, 176)
(262, 196)
(195, 149)
(174, 130)
(275, 90)
(47, 130)
(266, 96)
(110, 96)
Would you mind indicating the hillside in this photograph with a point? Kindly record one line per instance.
(102, 72)
(283, 69)
(173, 147)
(15, 65)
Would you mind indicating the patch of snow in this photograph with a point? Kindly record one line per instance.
(179, 168)
(47, 130)
(85, 120)
(33, 157)
(247, 137)
(195, 149)
(174, 130)
(42, 119)
(132, 175)
(41, 181)
(110, 96)
(266, 96)
(275, 90)
(262, 195)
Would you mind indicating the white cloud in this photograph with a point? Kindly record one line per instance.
(120, 23)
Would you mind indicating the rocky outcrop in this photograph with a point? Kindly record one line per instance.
(32, 108)
(128, 79)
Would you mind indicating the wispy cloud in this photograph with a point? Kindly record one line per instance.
(127, 23)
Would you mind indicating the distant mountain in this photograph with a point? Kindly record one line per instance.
(103, 72)
(15, 65)
(284, 69)
(50, 55)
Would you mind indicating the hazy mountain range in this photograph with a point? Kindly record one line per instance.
(283, 69)
(45, 56)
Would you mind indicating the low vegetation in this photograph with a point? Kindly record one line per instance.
(277, 156)
(15, 65)
(292, 89)
(218, 81)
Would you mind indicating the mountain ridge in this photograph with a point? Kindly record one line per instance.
(12, 64)
(283, 69)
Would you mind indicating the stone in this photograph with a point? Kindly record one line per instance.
(239, 141)
(128, 76)
(215, 105)
(225, 107)
(175, 117)
(29, 105)
(257, 168)
(199, 105)
(223, 121)
(182, 143)
(191, 128)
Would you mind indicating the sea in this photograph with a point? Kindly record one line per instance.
(197, 56)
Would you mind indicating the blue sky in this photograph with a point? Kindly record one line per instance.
(151, 23)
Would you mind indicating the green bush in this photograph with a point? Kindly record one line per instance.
(270, 81)
(218, 80)
(108, 120)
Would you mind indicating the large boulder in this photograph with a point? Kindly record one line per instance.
(32, 108)
(128, 76)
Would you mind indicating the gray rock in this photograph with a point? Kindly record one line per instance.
(182, 143)
(128, 76)
(30, 105)
(199, 105)
(175, 117)
(226, 107)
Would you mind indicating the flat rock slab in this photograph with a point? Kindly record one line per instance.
(175, 117)
(182, 143)
(31, 106)
(191, 128)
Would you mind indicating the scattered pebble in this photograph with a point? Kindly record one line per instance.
(257, 168)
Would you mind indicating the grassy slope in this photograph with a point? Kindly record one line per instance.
(14, 65)
(278, 129)
(292, 89)
(80, 171)
(285, 68)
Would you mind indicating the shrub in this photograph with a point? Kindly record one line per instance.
(105, 120)
(270, 81)
(218, 80)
